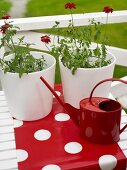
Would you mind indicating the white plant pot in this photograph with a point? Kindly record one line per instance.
(78, 86)
(27, 97)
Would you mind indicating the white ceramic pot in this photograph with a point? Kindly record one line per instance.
(28, 98)
(77, 87)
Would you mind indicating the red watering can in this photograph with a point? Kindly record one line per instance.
(98, 119)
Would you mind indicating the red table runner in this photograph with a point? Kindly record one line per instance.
(54, 143)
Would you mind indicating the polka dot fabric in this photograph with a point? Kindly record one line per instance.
(54, 143)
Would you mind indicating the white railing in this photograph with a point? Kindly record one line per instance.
(35, 23)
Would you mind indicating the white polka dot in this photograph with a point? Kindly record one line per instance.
(62, 117)
(107, 162)
(42, 134)
(22, 155)
(17, 123)
(73, 147)
(51, 167)
(58, 93)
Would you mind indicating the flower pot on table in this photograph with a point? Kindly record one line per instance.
(78, 86)
(27, 98)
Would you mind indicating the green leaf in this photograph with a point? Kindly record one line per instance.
(7, 53)
(97, 35)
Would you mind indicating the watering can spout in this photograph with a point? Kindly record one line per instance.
(73, 112)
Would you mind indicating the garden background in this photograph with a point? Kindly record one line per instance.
(31, 8)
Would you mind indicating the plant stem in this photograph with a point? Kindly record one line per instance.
(72, 19)
(47, 47)
(106, 26)
(105, 37)
(14, 49)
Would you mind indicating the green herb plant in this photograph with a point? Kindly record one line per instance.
(22, 60)
(75, 47)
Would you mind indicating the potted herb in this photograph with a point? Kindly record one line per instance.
(81, 66)
(21, 69)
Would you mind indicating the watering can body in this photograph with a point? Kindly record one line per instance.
(100, 125)
(98, 119)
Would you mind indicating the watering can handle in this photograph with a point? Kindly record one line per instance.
(103, 81)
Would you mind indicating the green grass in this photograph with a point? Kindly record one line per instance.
(120, 71)
(55, 7)
(4, 6)
(118, 35)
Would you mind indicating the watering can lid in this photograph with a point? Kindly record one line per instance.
(85, 104)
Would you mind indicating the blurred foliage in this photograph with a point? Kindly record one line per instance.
(4, 7)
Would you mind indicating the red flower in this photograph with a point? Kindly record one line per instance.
(45, 39)
(107, 9)
(70, 5)
(4, 28)
(6, 17)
